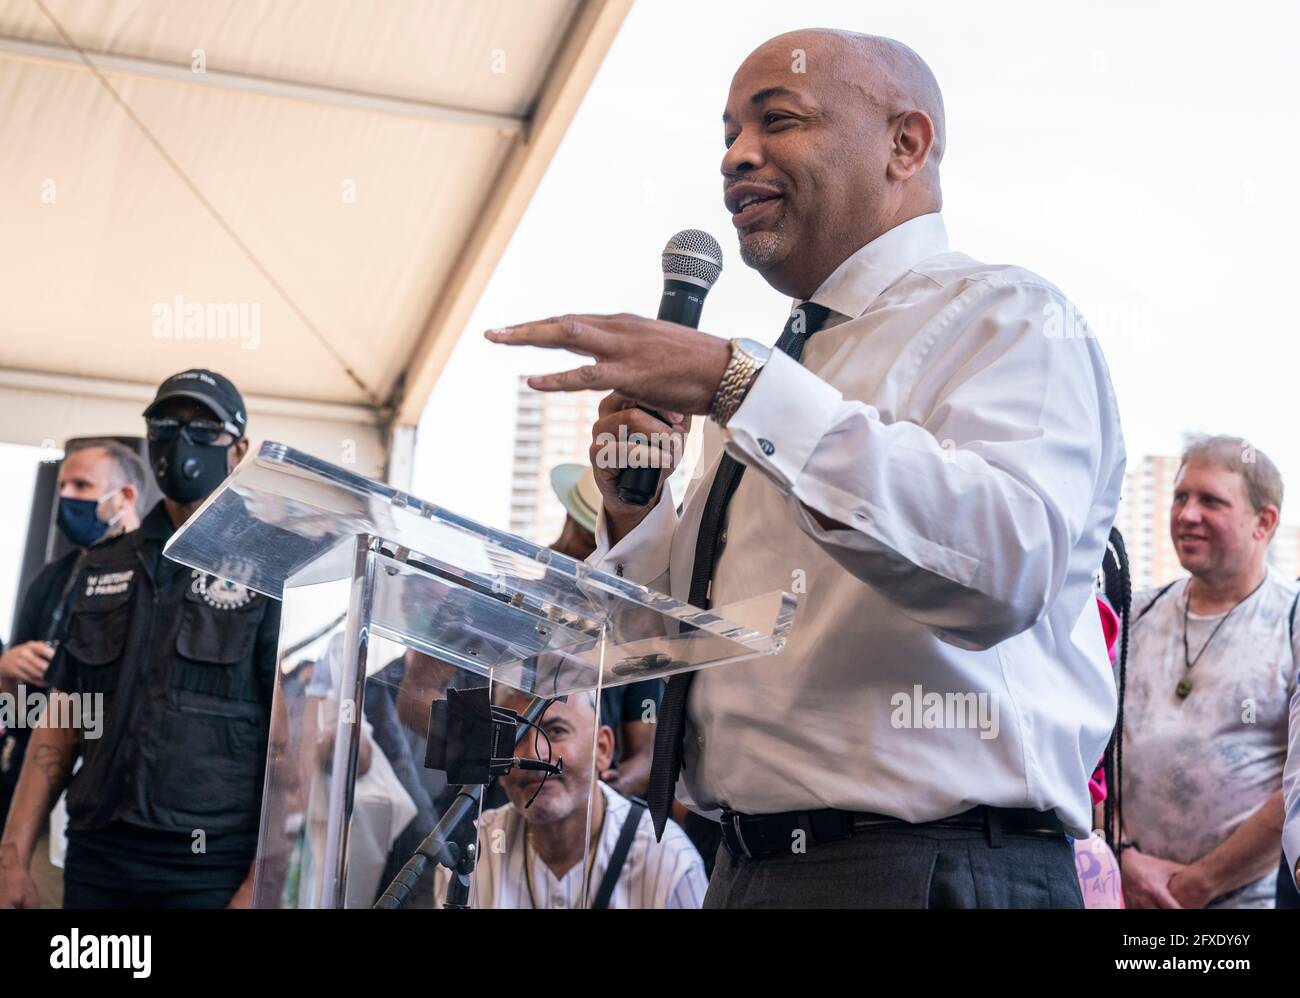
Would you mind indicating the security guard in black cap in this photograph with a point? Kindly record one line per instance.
(164, 811)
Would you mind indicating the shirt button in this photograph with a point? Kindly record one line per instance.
(618, 570)
(557, 901)
(699, 740)
(766, 446)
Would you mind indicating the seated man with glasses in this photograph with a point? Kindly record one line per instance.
(536, 851)
(179, 666)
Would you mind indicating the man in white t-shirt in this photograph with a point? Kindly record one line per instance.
(1212, 669)
(534, 857)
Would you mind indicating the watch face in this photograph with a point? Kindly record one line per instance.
(755, 349)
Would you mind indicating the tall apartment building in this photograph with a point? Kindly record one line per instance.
(550, 428)
(1143, 519)
(1285, 551)
(555, 428)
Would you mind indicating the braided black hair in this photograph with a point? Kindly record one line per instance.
(1119, 592)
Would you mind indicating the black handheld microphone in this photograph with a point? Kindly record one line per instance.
(692, 263)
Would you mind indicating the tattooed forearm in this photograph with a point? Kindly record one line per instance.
(54, 762)
(45, 772)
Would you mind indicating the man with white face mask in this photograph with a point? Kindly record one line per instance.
(100, 483)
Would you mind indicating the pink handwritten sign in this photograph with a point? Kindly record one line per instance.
(1098, 873)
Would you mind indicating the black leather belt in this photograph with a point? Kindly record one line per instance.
(753, 836)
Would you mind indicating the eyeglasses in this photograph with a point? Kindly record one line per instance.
(164, 429)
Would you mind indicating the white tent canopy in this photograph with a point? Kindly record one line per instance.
(306, 195)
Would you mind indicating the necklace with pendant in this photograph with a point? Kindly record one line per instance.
(1184, 686)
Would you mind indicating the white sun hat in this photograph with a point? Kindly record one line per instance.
(575, 487)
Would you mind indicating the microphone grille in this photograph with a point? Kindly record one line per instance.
(693, 255)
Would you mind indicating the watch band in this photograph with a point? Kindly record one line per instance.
(740, 373)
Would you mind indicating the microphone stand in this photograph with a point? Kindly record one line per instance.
(438, 845)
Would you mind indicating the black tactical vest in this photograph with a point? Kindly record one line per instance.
(184, 666)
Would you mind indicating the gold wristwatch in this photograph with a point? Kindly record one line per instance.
(747, 360)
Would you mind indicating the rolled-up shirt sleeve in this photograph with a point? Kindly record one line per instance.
(965, 514)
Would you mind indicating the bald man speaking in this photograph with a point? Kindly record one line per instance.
(932, 453)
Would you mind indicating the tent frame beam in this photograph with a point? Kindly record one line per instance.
(142, 394)
(351, 100)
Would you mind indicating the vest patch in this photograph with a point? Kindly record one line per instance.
(221, 594)
(109, 583)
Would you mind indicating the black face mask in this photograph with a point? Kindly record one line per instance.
(185, 471)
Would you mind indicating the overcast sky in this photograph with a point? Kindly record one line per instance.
(1140, 156)
(1137, 155)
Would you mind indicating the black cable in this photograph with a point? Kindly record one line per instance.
(1119, 592)
(436, 846)
(537, 752)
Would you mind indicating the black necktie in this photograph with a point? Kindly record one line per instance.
(804, 321)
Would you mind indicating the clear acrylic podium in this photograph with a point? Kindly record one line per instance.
(387, 602)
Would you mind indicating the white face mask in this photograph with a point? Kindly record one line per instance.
(109, 495)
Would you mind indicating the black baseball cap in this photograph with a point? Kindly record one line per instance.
(214, 390)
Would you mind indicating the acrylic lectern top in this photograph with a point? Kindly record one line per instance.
(441, 584)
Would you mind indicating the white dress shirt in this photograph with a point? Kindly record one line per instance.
(667, 874)
(959, 420)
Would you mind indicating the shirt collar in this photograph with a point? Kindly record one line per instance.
(613, 827)
(860, 279)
